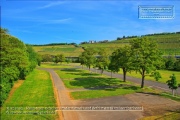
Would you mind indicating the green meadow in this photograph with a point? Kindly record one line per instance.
(36, 91)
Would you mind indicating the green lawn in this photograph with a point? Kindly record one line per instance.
(164, 74)
(78, 78)
(36, 91)
(103, 93)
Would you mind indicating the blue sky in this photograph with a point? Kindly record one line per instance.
(43, 21)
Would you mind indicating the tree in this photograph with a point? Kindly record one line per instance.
(16, 62)
(46, 58)
(89, 57)
(82, 59)
(146, 56)
(102, 61)
(170, 62)
(172, 83)
(56, 59)
(177, 65)
(122, 59)
(61, 58)
(112, 66)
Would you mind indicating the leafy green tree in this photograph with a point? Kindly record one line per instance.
(112, 66)
(33, 57)
(102, 61)
(89, 58)
(82, 59)
(177, 65)
(172, 83)
(61, 58)
(46, 58)
(15, 62)
(122, 59)
(170, 62)
(56, 59)
(146, 56)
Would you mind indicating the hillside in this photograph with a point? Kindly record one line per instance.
(168, 44)
(67, 50)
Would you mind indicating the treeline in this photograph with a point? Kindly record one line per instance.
(58, 58)
(164, 33)
(53, 44)
(17, 61)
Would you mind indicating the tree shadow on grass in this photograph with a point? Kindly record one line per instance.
(71, 70)
(148, 93)
(99, 83)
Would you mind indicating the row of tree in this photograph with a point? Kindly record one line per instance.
(142, 55)
(17, 61)
(54, 44)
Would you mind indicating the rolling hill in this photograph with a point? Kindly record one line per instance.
(169, 44)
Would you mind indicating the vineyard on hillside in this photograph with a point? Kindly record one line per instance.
(169, 45)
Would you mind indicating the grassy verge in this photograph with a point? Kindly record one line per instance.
(164, 74)
(36, 91)
(103, 93)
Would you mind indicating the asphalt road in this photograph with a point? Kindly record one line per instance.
(149, 83)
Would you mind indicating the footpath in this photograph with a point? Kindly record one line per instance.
(63, 95)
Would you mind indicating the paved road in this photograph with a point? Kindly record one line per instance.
(150, 83)
(63, 95)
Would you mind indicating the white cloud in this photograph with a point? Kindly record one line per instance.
(57, 21)
(51, 4)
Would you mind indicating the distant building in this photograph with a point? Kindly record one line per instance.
(91, 41)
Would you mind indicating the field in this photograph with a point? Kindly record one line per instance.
(168, 44)
(36, 91)
(67, 50)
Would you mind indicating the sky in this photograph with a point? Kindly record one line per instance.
(67, 21)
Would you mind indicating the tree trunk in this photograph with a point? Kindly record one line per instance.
(173, 92)
(143, 76)
(111, 73)
(124, 74)
(89, 68)
(101, 71)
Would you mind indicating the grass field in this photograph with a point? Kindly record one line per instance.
(168, 44)
(36, 91)
(100, 85)
(67, 50)
(165, 74)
